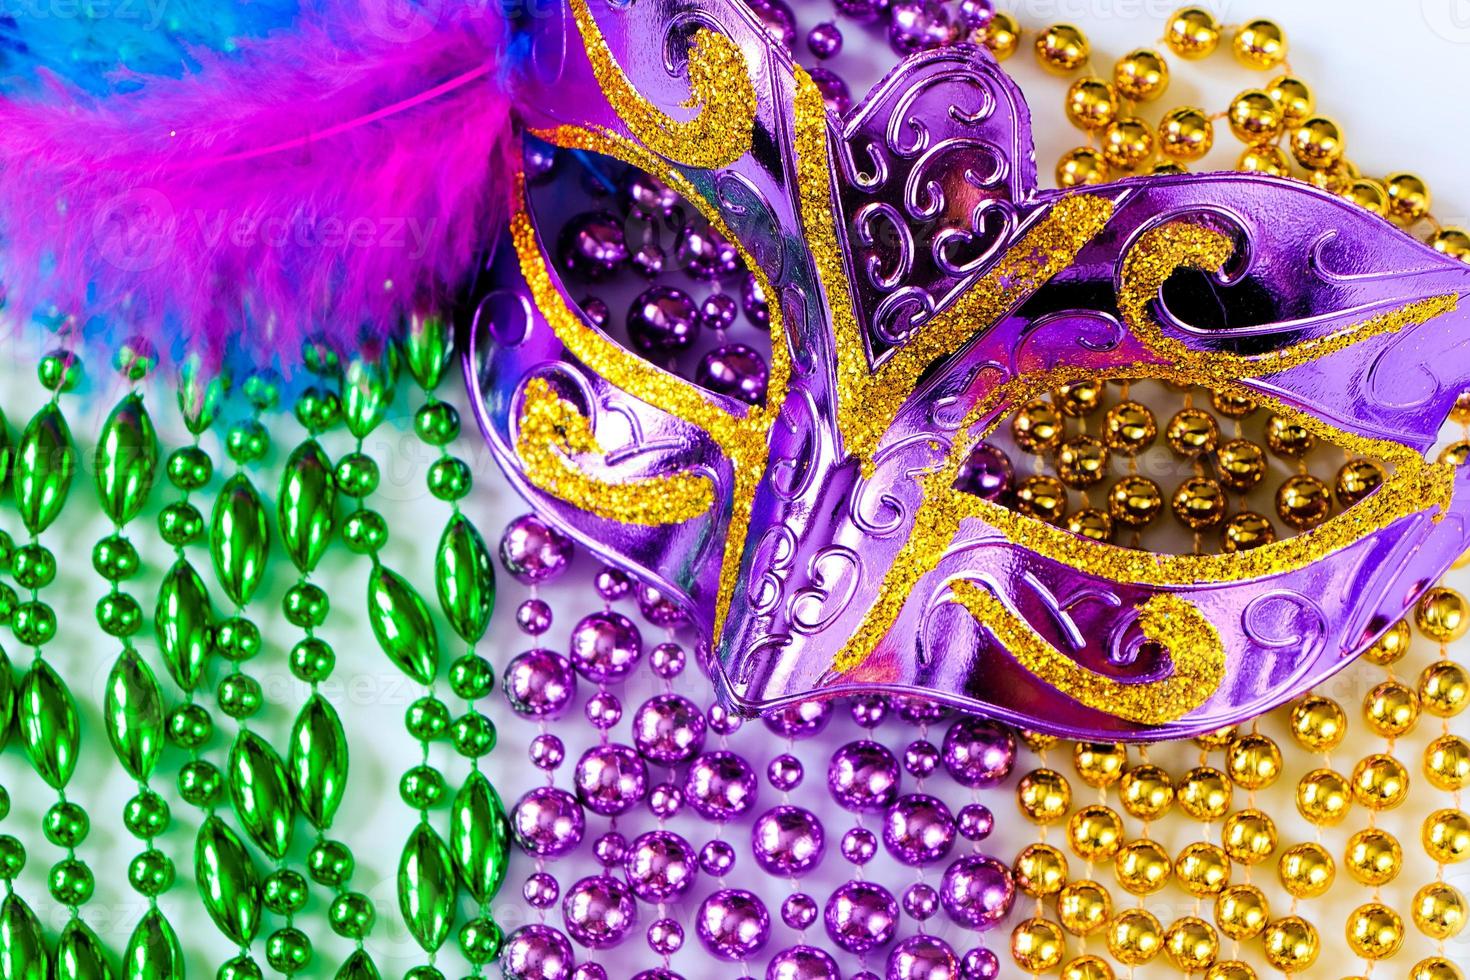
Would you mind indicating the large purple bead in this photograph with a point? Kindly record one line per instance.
(548, 822)
(987, 473)
(861, 916)
(736, 371)
(801, 720)
(658, 608)
(536, 952)
(918, 829)
(606, 646)
(592, 245)
(668, 729)
(923, 957)
(663, 321)
(919, 25)
(599, 911)
(733, 924)
(610, 779)
(977, 891)
(802, 963)
(648, 195)
(705, 254)
(863, 777)
(978, 752)
(660, 866)
(753, 298)
(720, 786)
(787, 841)
(534, 551)
(540, 684)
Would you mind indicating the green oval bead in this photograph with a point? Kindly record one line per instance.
(436, 423)
(33, 623)
(426, 887)
(146, 815)
(45, 462)
(200, 394)
(351, 915)
(318, 761)
(464, 574)
(189, 468)
(240, 967)
(247, 442)
(450, 478)
(305, 605)
(367, 391)
(80, 955)
(22, 945)
(401, 623)
(480, 939)
(180, 523)
(421, 787)
(227, 881)
(318, 409)
(428, 342)
(330, 863)
(151, 873)
(127, 460)
(312, 660)
(7, 703)
(238, 539)
(262, 389)
(356, 475)
(70, 882)
(33, 566)
(237, 639)
(239, 696)
(65, 824)
(471, 677)
(119, 614)
(200, 782)
(183, 622)
(365, 532)
(427, 718)
(359, 966)
(47, 720)
(306, 505)
(473, 735)
(59, 370)
(261, 793)
(12, 857)
(153, 951)
(479, 837)
(288, 951)
(133, 709)
(189, 726)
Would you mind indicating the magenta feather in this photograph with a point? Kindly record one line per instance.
(320, 181)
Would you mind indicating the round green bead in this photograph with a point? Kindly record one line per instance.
(247, 442)
(4, 803)
(7, 550)
(200, 782)
(242, 967)
(352, 915)
(471, 677)
(436, 423)
(237, 639)
(320, 357)
(288, 950)
(480, 939)
(71, 882)
(422, 787)
(356, 475)
(365, 531)
(151, 873)
(312, 660)
(33, 623)
(12, 857)
(305, 605)
(190, 468)
(135, 359)
(180, 523)
(65, 824)
(284, 891)
(450, 479)
(146, 815)
(189, 726)
(115, 558)
(427, 718)
(262, 390)
(240, 696)
(330, 863)
(33, 566)
(8, 601)
(119, 614)
(59, 370)
(318, 410)
(423, 973)
(473, 735)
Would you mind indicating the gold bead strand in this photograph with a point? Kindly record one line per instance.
(1142, 866)
(1205, 870)
(1094, 833)
(1044, 796)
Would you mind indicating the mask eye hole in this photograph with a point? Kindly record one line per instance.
(1169, 469)
(647, 268)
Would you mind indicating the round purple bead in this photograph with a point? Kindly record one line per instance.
(859, 845)
(597, 312)
(979, 753)
(861, 916)
(921, 901)
(720, 786)
(921, 758)
(665, 937)
(863, 777)
(801, 720)
(717, 312)
(646, 194)
(663, 321)
(665, 801)
(922, 957)
(835, 93)
(540, 684)
(920, 25)
(753, 297)
(980, 964)
(987, 473)
(603, 710)
(975, 15)
(785, 773)
(799, 910)
(667, 660)
(977, 891)
(735, 371)
(802, 963)
(612, 584)
(705, 254)
(918, 829)
(668, 729)
(733, 924)
(610, 779)
(658, 608)
(533, 617)
(649, 261)
(533, 551)
(541, 890)
(716, 858)
(599, 911)
(787, 841)
(825, 40)
(975, 821)
(592, 245)
(589, 971)
(547, 752)
(606, 647)
(869, 710)
(661, 866)
(548, 822)
(536, 952)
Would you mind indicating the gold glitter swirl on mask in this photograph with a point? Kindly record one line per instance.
(1159, 253)
(721, 91)
(1196, 655)
(869, 399)
(551, 429)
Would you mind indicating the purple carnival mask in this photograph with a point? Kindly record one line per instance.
(828, 539)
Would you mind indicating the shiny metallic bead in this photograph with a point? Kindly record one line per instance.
(1373, 857)
(1091, 104)
(1082, 167)
(1454, 242)
(1191, 944)
(1129, 428)
(1444, 688)
(1095, 832)
(1391, 709)
(1446, 836)
(1038, 945)
(1082, 461)
(1447, 763)
(1408, 198)
(1368, 194)
(1200, 503)
(1042, 497)
(1375, 931)
(1186, 134)
(1435, 968)
(1356, 480)
(1294, 96)
(1249, 836)
(1241, 464)
(1192, 32)
(1002, 36)
(1202, 869)
(1037, 426)
(1135, 501)
(1291, 944)
(1062, 48)
(1134, 936)
(1260, 44)
(1040, 870)
(1255, 118)
(1204, 793)
(1128, 143)
(1253, 761)
(1192, 432)
(1391, 647)
(1099, 763)
(1442, 615)
(1091, 523)
(1317, 143)
(1323, 797)
(1044, 796)
(1084, 907)
(1380, 782)
(1303, 501)
(1318, 724)
(1142, 867)
(1439, 910)
(1242, 911)
(1141, 75)
(1080, 399)
(1268, 160)
(1146, 791)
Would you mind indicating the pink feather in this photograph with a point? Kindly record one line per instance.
(321, 181)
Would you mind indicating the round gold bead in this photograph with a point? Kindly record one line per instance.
(1168, 169)
(1231, 970)
(1037, 427)
(1082, 167)
(1255, 118)
(1241, 464)
(1091, 104)
(1306, 870)
(1456, 453)
(1442, 615)
(1291, 944)
(1099, 764)
(1294, 96)
(1391, 709)
(1245, 531)
(1241, 911)
(1129, 428)
(1375, 931)
(1368, 194)
(1249, 836)
(1460, 412)
(1191, 944)
(1040, 870)
(1037, 741)
(1446, 836)
(1042, 497)
(1333, 179)
(1095, 832)
(1323, 797)
(1134, 936)
(1128, 143)
(1192, 32)
(1084, 907)
(1233, 406)
(1142, 867)
(1147, 791)
(1202, 869)
(1318, 724)
(1435, 968)
(1192, 432)
(1260, 44)
(1373, 857)
(1454, 242)
(1081, 398)
(1204, 793)
(1317, 143)
(1303, 501)
(1186, 134)
(1002, 36)
(1356, 480)
(1217, 739)
(1269, 160)
(1044, 795)
(1062, 48)
(1288, 438)
(1380, 782)
(1439, 910)
(1391, 646)
(1200, 503)
(1082, 461)
(1091, 523)
(1038, 945)
(1447, 763)
(1141, 75)
(1087, 968)
(1253, 761)
(1408, 198)
(1135, 501)
(1444, 689)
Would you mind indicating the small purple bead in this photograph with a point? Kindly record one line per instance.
(921, 901)
(548, 822)
(801, 720)
(547, 752)
(735, 371)
(667, 660)
(861, 10)
(859, 845)
(704, 254)
(920, 25)
(533, 617)
(541, 890)
(717, 312)
(753, 298)
(977, 891)
(861, 916)
(592, 245)
(603, 710)
(979, 753)
(536, 952)
(599, 911)
(799, 910)
(835, 93)
(589, 971)
(918, 829)
(778, 21)
(610, 779)
(922, 957)
(657, 974)
(533, 551)
(975, 821)
(665, 937)
(612, 584)
(605, 647)
(660, 865)
(663, 321)
(716, 858)
(649, 261)
(722, 721)
(802, 963)
(787, 841)
(975, 15)
(825, 40)
(921, 758)
(733, 924)
(785, 773)
(597, 311)
(980, 964)
(987, 473)
(647, 195)
(658, 608)
(863, 777)
(539, 160)
(920, 711)
(668, 729)
(610, 848)
(665, 801)
(869, 710)
(540, 684)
